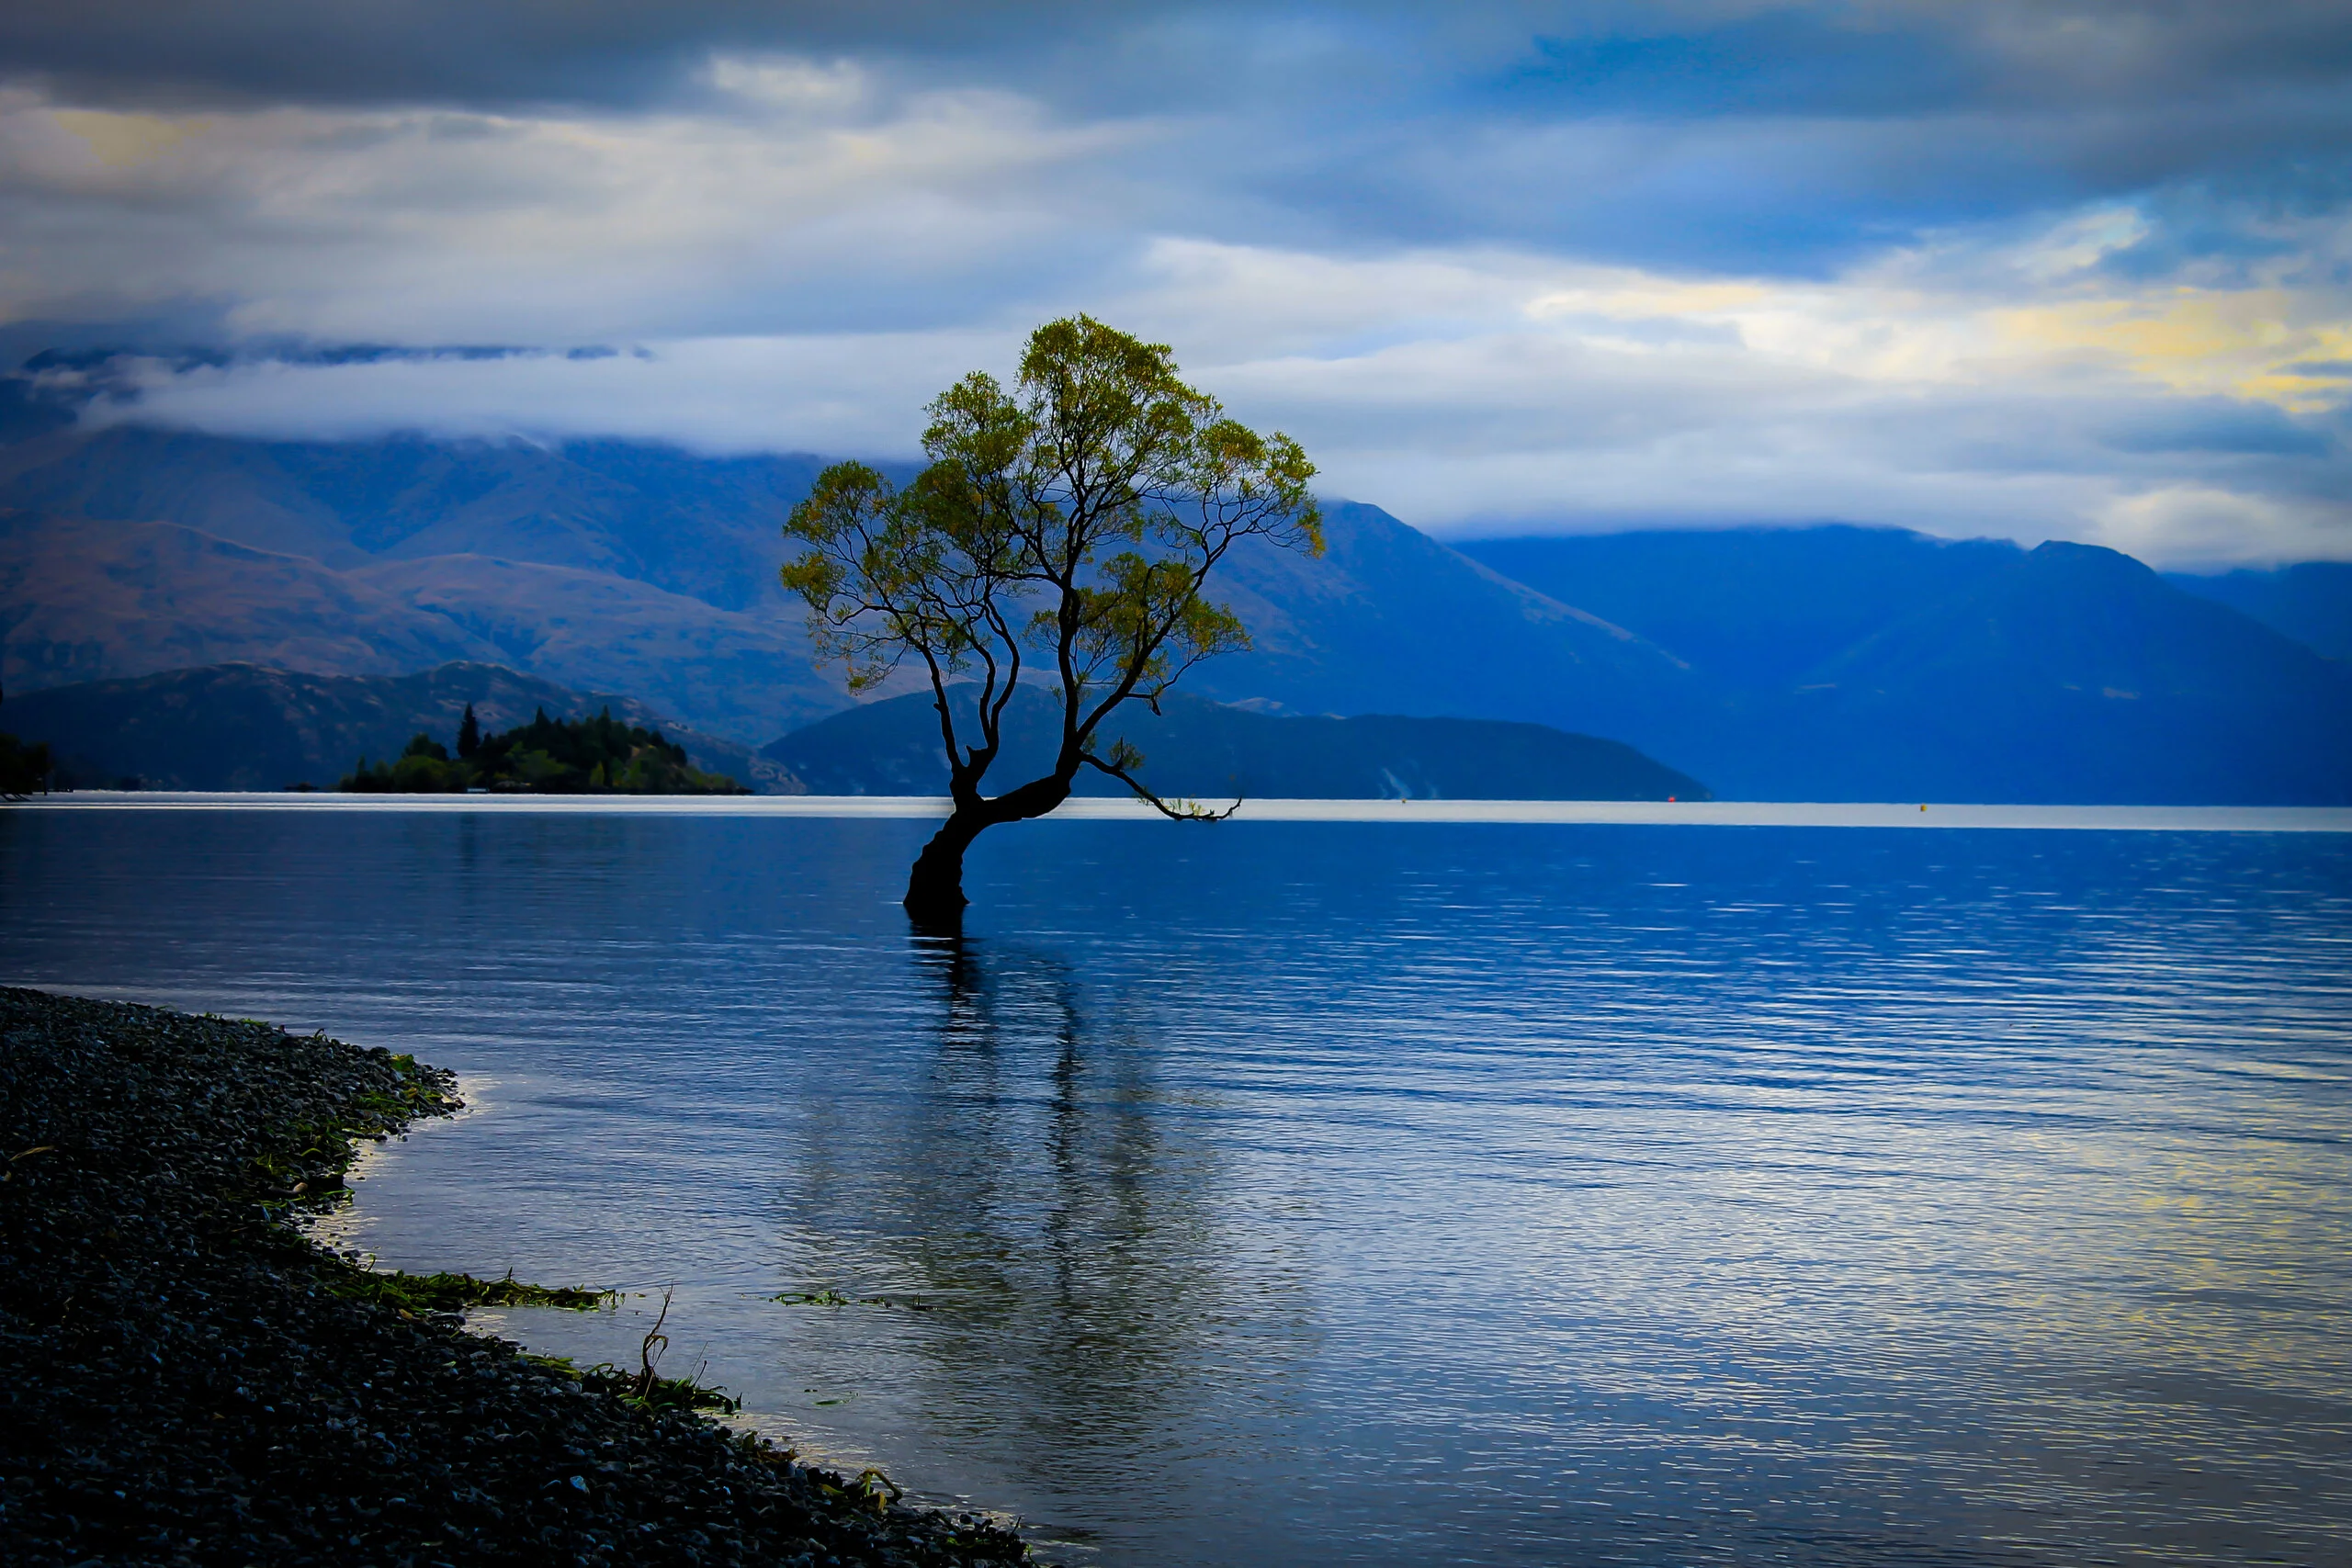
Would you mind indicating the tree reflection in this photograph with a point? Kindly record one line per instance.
(1056, 1224)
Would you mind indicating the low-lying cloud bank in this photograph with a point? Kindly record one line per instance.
(1485, 392)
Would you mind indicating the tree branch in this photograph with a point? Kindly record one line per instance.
(1181, 811)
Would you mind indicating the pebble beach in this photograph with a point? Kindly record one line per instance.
(186, 1378)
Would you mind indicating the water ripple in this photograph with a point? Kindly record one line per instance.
(1360, 1192)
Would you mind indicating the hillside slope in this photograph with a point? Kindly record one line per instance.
(2078, 675)
(83, 600)
(245, 727)
(2311, 601)
(1858, 664)
(1391, 620)
(743, 673)
(705, 527)
(1206, 751)
(1751, 609)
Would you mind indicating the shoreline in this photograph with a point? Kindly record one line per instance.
(1902, 815)
(191, 1379)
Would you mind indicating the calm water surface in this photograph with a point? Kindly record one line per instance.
(1345, 1193)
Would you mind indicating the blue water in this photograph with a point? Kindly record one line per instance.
(1280, 1193)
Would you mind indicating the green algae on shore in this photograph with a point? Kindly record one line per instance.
(461, 1292)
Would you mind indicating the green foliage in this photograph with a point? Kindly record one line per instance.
(302, 1165)
(646, 1387)
(659, 1393)
(411, 775)
(547, 756)
(645, 1390)
(458, 1292)
(468, 734)
(1072, 520)
(835, 1298)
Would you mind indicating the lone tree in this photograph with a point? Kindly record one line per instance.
(1064, 528)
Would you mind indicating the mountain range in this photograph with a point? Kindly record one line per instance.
(1827, 663)
(619, 567)
(1848, 663)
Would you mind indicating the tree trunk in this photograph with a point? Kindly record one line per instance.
(935, 885)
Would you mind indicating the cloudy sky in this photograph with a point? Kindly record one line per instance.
(2041, 268)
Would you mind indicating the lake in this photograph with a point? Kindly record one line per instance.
(1364, 1192)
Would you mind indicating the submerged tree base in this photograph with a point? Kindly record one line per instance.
(184, 1378)
(936, 884)
(936, 906)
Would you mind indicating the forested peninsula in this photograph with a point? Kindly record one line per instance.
(547, 756)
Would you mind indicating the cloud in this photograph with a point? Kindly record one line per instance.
(1797, 132)
(1672, 57)
(857, 395)
(2073, 267)
(1576, 431)
(798, 210)
(2199, 525)
(1472, 391)
(489, 54)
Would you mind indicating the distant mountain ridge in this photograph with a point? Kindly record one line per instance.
(1873, 664)
(705, 527)
(1200, 750)
(83, 600)
(1389, 620)
(245, 727)
(2078, 675)
(1378, 623)
(1752, 608)
(2311, 601)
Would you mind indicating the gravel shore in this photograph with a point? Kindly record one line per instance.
(184, 1379)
